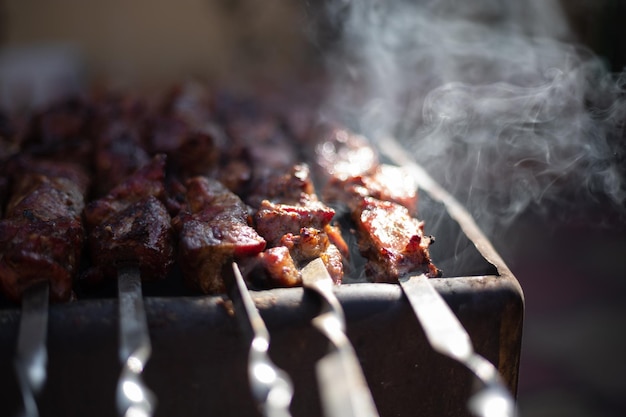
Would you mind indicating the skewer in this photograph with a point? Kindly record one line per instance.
(447, 336)
(444, 331)
(31, 356)
(341, 381)
(271, 387)
(133, 398)
(130, 235)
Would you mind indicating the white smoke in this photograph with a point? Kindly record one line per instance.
(491, 96)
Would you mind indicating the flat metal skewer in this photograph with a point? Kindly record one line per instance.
(342, 385)
(133, 398)
(31, 357)
(271, 387)
(447, 336)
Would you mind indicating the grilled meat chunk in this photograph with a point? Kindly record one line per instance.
(385, 182)
(280, 267)
(381, 200)
(311, 243)
(297, 220)
(132, 225)
(273, 221)
(342, 154)
(41, 236)
(393, 242)
(62, 131)
(191, 152)
(120, 152)
(145, 182)
(213, 229)
(290, 186)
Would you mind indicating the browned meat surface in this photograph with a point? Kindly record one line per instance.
(280, 267)
(62, 131)
(291, 216)
(385, 182)
(132, 225)
(213, 229)
(120, 152)
(265, 147)
(311, 243)
(392, 241)
(41, 236)
(191, 152)
(342, 154)
(147, 181)
(292, 185)
(273, 221)
(381, 199)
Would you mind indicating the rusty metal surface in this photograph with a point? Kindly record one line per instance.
(199, 361)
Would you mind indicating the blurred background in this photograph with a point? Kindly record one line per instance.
(556, 216)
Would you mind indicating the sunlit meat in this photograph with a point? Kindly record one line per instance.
(62, 131)
(41, 236)
(381, 200)
(213, 229)
(342, 154)
(311, 243)
(291, 216)
(273, 221)
(281, 268)
(393, 242)
(385, 182)
(131, 225)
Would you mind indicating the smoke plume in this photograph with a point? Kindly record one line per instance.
(492, 97)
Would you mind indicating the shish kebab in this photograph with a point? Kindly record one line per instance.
(397, 250)
(40, 251)
(41, 237)
(298, 241)
(130, 236)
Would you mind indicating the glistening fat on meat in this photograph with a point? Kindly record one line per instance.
(131, 225)
(41, 236)
(212, 230)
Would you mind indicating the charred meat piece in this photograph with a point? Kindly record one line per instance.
(213, 229)
(292, 185)
(131, 225)
(348, 167)
(393, 242)
(311, 243)
(62, 131)
(266, 148)
(41, 236)
(381, 199)
(273, 221)
(297, 220)
(145, 182)
(385, 182)
(120, 151)
(191, 151)
(280, 267)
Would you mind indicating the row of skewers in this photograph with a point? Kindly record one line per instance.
(112, 188)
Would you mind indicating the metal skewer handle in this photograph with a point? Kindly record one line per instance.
(271, 387)
(447, 336)
(342, 385)
(134, 399)
(32, 356)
